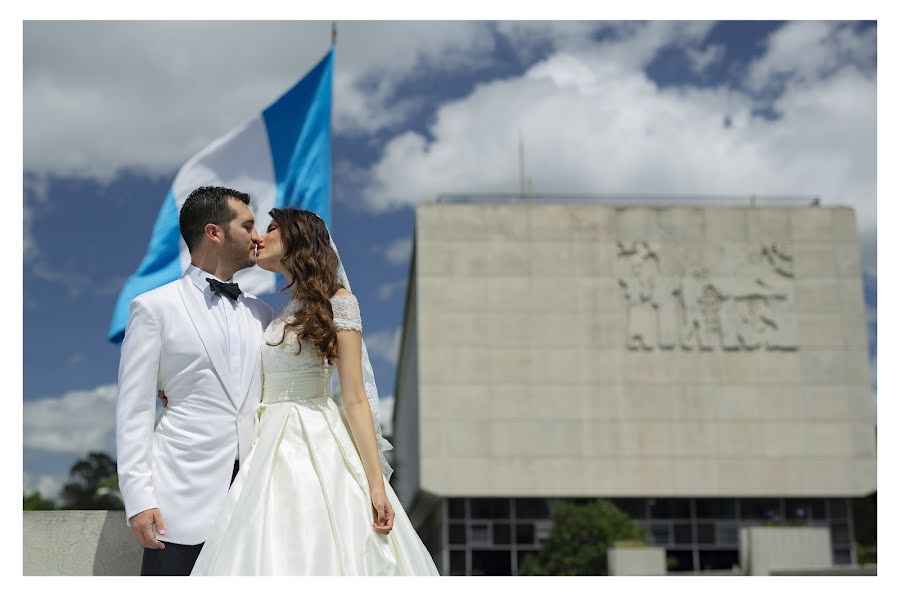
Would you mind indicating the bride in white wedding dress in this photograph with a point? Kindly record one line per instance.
(312, 498)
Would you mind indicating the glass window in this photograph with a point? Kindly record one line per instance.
(679, 560)
(660, 533)
(542, 531)
(502, 534)
(761, 509)
(489, 508)
(716, 508)
(818, 508)
(798, 509)
(706, 533)
(840, 533)
(683, 533)
(525, 534)
(841, 556)
(718, 559)
(457, 534)
(837, 508)
(457, 562)
(728, 534)
(635, 508)
(670, 508)
(480, 534)
(456, 508)
(491, 562)
(532, 509)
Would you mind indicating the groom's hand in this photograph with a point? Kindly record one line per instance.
(142, 528)
(162, 396)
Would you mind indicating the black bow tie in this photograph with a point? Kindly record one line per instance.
(224, 289)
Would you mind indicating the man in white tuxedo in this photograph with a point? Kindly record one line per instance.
(198, 340)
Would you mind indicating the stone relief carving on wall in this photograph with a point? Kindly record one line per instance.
(748, 308)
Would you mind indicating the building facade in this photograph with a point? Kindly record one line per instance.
(704, 367)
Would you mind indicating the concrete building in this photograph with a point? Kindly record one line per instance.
(704, 367)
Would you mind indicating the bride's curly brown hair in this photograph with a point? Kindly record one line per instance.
(312, 264)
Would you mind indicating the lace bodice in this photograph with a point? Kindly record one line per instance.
(284, 358)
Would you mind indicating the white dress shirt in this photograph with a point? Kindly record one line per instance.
(230, 321)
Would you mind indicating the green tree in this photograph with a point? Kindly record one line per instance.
(580, 537)
(35, 502)
(93, 484)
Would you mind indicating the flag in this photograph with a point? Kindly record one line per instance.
(281, 157)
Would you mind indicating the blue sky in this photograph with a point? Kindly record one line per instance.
(112, 109)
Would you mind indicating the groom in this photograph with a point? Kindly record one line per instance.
(197, 339)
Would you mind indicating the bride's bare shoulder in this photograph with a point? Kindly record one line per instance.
(341, 292)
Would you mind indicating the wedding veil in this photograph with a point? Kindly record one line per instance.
(368, 379)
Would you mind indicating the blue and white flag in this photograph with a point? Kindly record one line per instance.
(281, 158)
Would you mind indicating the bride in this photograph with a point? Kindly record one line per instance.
(311, 497)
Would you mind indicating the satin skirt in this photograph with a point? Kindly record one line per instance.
(300, 505)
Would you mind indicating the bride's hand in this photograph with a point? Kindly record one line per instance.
(382, 512)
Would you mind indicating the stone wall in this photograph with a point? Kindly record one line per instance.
(638, 351)
(790, 550)
(648, 560)
(79, 543)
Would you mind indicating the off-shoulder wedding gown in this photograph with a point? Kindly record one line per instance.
(300, 504)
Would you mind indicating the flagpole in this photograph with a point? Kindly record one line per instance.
(331, 123)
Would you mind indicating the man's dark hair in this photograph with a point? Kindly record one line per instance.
(207, 204)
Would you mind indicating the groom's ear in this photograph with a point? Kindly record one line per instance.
(213, 233)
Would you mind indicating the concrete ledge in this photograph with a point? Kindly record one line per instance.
(79, 543)
(836, 570)
(636, 560)
(766, 550)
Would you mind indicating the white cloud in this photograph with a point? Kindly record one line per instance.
(386, 411)
(399, 251)
(37, 187)
(529, 38)
(700, 60)
(386, 290)
(73, 282)
(633, 45)
(76, 358)
(592, 122)
(101, 96)
(37, 191)
(382, 55)
(30, 249)
(75, 423)
(48, 485)
(384, 345)
(806, 51)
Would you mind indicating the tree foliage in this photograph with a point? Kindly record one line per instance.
(93, 484)
(36, 502)
(580, 538)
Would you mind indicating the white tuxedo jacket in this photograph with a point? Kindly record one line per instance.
(184, 465)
